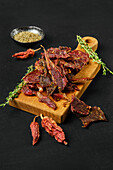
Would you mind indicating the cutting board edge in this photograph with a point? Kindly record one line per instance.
(34, 110)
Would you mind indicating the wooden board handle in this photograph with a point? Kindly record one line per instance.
(91, 41)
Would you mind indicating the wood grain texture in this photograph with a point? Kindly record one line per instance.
(32, 105)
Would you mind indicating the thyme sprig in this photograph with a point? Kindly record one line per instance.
(93, 55)
(14, 94)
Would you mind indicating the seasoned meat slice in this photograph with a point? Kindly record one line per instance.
(60, 52)
(27, 91)
(50, 89)
(58, 78)
(96, 114)
(79, 106)
(32, 77)
(46, 100)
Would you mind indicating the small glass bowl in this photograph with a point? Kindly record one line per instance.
(33, 29)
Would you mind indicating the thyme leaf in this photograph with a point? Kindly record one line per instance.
(93, 55)
(14, 94)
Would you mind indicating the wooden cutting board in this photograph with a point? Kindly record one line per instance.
(32, 105)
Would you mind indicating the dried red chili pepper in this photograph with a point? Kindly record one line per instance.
(35, 131)
(23, 55)
(53, 129)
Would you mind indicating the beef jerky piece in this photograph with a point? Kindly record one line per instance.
(40, 65)
(68, 64)
(71, 87)
(77, 54)
(46, 100)
(32, 77)
(81, 80)
(50, 89)
(65, 71)
(35, 87)
(58, 78)
(79, 58)
(95, 115)
(44, 81)
(67, 49)
(27, 91)
(79, 106)
(56, 61)
(70, 75)
(58, 96)
(61, 52)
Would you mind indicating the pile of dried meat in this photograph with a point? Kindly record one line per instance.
(54, 73)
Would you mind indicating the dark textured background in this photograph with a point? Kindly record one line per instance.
(90, 148)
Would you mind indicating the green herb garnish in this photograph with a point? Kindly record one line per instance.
(93, 55)
(13, 94)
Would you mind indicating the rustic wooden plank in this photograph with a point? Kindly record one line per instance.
(32, 105)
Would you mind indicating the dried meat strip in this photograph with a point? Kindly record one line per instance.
(68, 64)
(32, 77)
(57, 96)
(79, 106)
(77, 54)
(81, 80)
(44, 81)
(96, 114)
(58, 78)
(35, 77)
(53, 129)
(71, 87)
(27, 91)
(46, 100)
(50, 89)
(60, 52)
(80, 59)
(40, 65)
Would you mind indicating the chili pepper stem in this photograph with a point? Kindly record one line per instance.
(65, 143)
(41, 116)
(37, 49)
(35, 118)
(43, 47)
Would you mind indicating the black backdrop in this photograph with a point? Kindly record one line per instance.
(90, 148)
